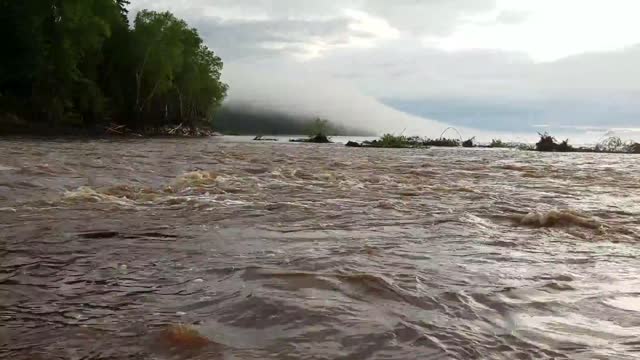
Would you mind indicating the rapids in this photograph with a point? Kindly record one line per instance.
(223, 248)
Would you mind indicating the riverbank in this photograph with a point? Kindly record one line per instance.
(11, 125)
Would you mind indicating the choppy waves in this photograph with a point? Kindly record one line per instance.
(206, 249)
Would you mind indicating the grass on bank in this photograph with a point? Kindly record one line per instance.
(394, 141)
(402, 141)
(391, 141)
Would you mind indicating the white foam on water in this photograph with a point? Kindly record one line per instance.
(630, 303)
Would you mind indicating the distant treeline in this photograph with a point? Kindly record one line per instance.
(78, 65)
(242, 120)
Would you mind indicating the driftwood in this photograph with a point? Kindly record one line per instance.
(116, 129)
(173, 131)
(167, 130)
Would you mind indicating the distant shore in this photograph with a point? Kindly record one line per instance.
(547, 143)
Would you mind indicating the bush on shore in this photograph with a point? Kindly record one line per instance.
(497, 143)
(318, 132)
(443, 142)
(548, 143)
(402, 141)
(393, 141)
(469, 143)
(614, 144)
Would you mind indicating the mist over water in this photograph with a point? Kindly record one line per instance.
(305, 95)
(302, 251)
(308, 95)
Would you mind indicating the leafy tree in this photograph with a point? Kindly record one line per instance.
(78, 63)
(122, 6)
(320, 127)
(175, 73)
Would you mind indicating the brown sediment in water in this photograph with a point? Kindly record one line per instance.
(184, 336)
(287, 251)
(197, 178)
(534, 174)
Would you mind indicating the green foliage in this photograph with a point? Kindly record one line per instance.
(122, 6)
(78, 64)
(614, 144)
(177, 78)
(611, 144)
(497, 143)
(469, 142)
(320, 127)
(396, 141)
(391, 141)
(548, 143)
(442, 142)
(401, 141)
(632, 148)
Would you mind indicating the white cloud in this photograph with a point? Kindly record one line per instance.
(548, 30)
(481, 63)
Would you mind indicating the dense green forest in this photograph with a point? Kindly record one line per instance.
(80, 66)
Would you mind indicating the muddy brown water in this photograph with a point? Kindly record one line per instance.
(297, 251)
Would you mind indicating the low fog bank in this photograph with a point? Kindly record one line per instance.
(300, 96)
(243, 117)
(286, 100)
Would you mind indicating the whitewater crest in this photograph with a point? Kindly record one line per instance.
(559, 218)
(90, 195)
(181, 190)
(229, 248)
(196, 178)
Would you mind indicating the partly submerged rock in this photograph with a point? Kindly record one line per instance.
(262, 138)
(318, 139)
(353, 144)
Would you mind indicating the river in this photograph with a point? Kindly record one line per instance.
(301, 251)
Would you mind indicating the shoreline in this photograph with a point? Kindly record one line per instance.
(112, 131)
(181, 132)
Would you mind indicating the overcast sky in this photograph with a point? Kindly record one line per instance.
(517, 66)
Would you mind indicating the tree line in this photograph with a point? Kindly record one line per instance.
(80, 64)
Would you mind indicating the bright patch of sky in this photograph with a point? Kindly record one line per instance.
(548, 30)
(366, 31)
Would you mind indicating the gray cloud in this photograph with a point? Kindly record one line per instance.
(489, 89)
(432, 17)
(241, 39)
(403, 70)
(496, 90)
(247, 27)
